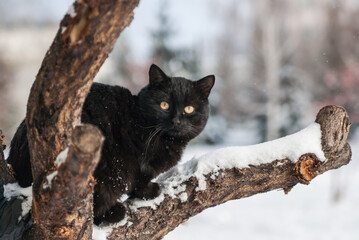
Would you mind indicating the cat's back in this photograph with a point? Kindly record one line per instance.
(106, 96)
(114, 110)
(106, 104)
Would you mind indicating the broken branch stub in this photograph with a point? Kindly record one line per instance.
(66, 209)
(305, 169)
(335, 126)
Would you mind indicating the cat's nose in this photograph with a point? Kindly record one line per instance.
(176, 121)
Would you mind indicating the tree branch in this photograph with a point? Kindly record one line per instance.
(183, 199)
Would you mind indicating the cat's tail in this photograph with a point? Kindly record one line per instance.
(19, 156)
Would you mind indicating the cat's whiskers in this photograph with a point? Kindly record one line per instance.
(148, 142)
(153, 126)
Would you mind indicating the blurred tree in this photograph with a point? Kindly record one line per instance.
(175, 59)
(268, 54)
(279, 83)
(293, 99)
(257, 70)
(6, 118)
(123, 62)
(327, 56)
(341, 48)
(228, 61)
(126, 71)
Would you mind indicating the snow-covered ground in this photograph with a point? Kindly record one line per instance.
(307, 212)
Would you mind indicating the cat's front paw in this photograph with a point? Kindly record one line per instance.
(150, 191)
(115, 214)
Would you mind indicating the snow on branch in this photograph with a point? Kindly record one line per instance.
(238, 172)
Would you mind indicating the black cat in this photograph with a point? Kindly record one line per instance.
(145, 135)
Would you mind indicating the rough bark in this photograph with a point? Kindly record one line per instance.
(6, 175)
(66, 193)
(86, 36)
(80, 47)
(228, 184)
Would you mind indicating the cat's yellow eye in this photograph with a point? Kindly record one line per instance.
(189, 109)
(164, 105)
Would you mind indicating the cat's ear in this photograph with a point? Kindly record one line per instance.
(156, 74)
(205, 85)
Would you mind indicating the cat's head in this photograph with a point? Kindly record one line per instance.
(176, 106)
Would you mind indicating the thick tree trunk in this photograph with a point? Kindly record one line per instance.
(65, 209)
(86, 36)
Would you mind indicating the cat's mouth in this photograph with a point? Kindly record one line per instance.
(180, 133)
(174, 131)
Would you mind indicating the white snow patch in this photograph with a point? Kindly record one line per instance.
(123, 222)
(214, 175)
(101, 232)
(183, 197)
(61, 158)
(169, 188)
(292, 147)
(71, 11)
(202, 185)
(153, 203)
(63, 29)
(280, 163)
(122, 198)
(49, 179)
(13, 190)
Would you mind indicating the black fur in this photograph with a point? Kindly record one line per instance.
(141, 139)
